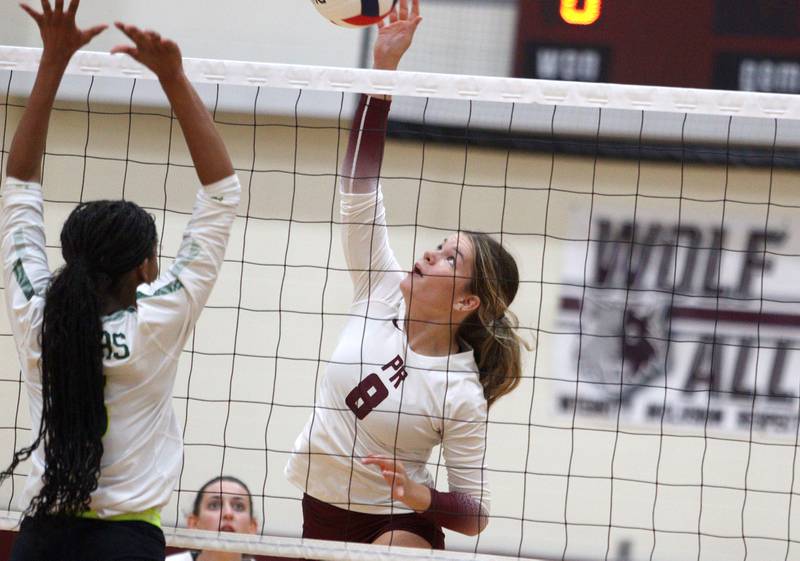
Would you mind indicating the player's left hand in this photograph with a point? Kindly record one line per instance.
(414, 495)
(61, 36)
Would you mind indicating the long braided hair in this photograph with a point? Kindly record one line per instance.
(491, 329)
(100, 242)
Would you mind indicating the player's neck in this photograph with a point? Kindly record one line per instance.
(121, 296)
(431, 338)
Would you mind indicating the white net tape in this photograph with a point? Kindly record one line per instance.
(291, 548)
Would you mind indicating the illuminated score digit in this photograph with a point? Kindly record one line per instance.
(586, 15)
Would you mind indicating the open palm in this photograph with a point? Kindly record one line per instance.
(395, 37)
(60, 35)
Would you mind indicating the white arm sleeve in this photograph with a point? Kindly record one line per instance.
(373, 267)
(25, 270)
(464, 450)
(181, 293)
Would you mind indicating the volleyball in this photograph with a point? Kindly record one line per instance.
(354, 13)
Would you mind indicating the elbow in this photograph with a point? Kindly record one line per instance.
(477, 526)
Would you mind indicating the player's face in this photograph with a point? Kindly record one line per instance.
(440, 280)
(224, 507)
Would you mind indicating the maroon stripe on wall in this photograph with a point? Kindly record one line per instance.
(714, 315)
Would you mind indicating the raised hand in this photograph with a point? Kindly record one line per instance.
(414, 495)
(60, 36)
(395, 37)
(160, 55)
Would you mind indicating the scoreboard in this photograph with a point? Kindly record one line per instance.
(750, 45)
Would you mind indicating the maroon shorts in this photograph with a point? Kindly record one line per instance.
(322, 521)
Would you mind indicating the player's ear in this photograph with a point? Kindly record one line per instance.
(147, 271)
(468, 303)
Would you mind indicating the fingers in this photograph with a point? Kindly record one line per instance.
(384, 463)
(38, 18)
(46, 11)
(396, 481)
(133, 52)
(415, 8)
(392, 471)
(73, 8)
(144, 39)
(131, 31)
(380, 461)
(403, 9)
(93, 32)
(59, 9)
(138, 36)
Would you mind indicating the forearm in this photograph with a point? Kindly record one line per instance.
(455, 511)
(27, 147)
(362, 162)
(211, 160)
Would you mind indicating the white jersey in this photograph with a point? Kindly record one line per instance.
(142, 448)
(380, 397)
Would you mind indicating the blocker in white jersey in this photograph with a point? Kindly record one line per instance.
(142, 447)
(99, 357)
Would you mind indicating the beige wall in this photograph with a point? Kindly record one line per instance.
(459, 190)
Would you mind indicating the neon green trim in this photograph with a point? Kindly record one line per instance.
(151, 516)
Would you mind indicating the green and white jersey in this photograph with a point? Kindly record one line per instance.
(142, 446)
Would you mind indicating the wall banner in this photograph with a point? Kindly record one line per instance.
(690, 324)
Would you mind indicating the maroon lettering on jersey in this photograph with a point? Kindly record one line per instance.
(395, 364)
(366, 396)
(399, 377)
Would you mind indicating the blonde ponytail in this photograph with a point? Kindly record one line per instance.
(491, 330)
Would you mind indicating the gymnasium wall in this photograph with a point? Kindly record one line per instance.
(288, 31)
(254, 400)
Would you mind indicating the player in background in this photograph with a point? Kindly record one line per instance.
(422, 357)
(223, 504)
(99, 340)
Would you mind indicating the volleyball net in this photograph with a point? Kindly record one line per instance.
(657, 233)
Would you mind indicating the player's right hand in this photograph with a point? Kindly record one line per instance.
(60, 35)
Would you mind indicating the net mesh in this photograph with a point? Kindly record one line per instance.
(656, 234)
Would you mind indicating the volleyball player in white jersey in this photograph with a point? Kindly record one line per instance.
(423, 356)
(98, 357)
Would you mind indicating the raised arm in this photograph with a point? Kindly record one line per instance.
(362, 163)
(196, 267)
(163, 58)
(61, 38)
